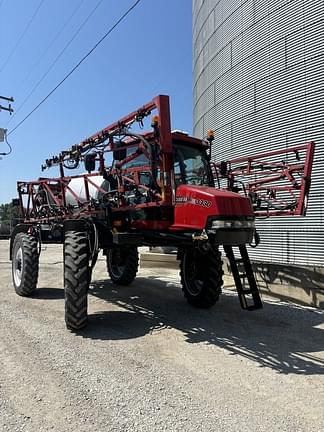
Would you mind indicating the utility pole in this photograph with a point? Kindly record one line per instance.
(3, 132)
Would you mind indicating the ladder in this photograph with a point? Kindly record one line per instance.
(250, 296)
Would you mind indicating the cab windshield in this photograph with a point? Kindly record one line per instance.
(191, 166)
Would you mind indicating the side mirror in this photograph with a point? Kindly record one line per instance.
(119, 154)
(223, 169)
(15, 202)
(113, 182)
(90, 162)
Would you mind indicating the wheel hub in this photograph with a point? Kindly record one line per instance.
(18, 266)
(118, 262)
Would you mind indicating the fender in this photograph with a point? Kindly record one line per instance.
(20, 228)
(76, 225)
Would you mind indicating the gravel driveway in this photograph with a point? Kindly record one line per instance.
(149, 362)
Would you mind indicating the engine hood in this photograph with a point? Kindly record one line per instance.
(194, 204)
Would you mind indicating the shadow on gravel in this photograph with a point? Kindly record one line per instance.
(282, 336)
(117, 325)
(48, 294)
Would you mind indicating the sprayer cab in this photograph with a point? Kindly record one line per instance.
(226, 217)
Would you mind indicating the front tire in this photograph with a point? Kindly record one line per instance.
(201, 276)
(77, 276)
(122, 264)
(25, 264)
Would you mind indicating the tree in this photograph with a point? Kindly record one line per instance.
(9, 214)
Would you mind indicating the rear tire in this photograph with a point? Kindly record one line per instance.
(122, 264)
(201, 277)
(77, 276)
(25, 263)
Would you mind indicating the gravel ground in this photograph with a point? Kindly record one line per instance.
(149, 362)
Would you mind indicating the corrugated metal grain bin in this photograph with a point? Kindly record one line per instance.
(259, 82)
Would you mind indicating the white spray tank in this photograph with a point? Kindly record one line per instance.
(78, 187)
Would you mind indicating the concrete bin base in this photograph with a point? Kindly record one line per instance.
(159, 260)
(299, 284)
(303, 285)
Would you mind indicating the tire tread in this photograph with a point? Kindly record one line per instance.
(131, 267)
(76, 279)
(212, 285)
(31, 264)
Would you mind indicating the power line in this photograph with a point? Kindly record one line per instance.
(55, 60)
(53, 40)
(77, 65)
(21, 36)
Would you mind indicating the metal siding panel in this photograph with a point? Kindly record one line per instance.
(305, 44)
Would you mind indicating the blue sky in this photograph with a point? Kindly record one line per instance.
(150, 53)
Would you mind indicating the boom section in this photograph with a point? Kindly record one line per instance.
(277, 182)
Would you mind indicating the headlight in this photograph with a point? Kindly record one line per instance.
(238, 224)
(218, 224)
(221, 224)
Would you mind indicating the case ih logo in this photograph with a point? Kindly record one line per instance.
(182, 200)
(194, 201)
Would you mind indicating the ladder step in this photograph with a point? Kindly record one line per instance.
(250, 297)
(248, 291)
(254, 307)
(250, 303)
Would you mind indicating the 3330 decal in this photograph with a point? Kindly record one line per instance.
(193, 201)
